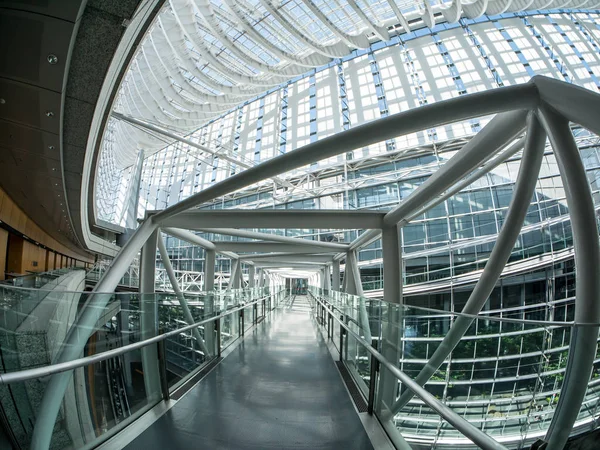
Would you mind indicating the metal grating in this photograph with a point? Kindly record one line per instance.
(357, 398)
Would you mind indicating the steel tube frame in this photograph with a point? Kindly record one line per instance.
(577, 104)
(275, 218)
(517, 210)
(273, 247)
(149, 314)
(587, 260)
(524, 96)
(274, 238)
(180, 297)
(477, 436)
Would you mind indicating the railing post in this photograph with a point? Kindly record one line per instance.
(241, 322)
(218, 339)
(162, 368)
(373, 378)
(342, 332)
(264, 305)
(255, 312)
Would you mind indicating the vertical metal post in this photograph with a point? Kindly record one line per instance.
(149, 316)
(373, 379)
(251, 276)
(342, 332)
(255, 313)
(241, 321)
(209, 300)
(390, 333)
(218, 332)
(161, 349)
(335, 277)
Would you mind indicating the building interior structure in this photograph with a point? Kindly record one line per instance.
(260, 224)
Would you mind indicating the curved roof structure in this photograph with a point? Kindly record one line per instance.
(201, 58)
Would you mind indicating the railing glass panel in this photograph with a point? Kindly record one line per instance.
(105, 395)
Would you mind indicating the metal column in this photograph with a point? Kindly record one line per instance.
(335, 282)
(251, 276)
(587, 260)
(391, 345)
(209, 299)
(149, 317)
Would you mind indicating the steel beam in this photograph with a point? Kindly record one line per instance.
(577, 104)
(276, 218)
(149, 316)
(285, 257)
(266, 246)
(584, 336)
(190, 237)
(274, 238)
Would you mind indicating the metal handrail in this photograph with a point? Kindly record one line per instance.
(462, 425)
(38, 372)
(481, 316)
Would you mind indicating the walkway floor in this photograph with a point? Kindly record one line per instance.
(279, 389)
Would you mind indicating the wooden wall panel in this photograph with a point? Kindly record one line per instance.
(13, 216)
(3, 249)
(14, 263)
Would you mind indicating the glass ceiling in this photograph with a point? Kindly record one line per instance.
(203, 57)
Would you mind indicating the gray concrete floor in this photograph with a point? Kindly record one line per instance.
(279, 389)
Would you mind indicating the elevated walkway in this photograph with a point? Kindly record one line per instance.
(279, 388)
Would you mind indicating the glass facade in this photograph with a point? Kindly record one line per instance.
(505, 377)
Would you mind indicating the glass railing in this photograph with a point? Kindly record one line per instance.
(504, 376)
(38, 280)
(117, 377)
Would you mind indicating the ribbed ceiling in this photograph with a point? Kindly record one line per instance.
(202, 58)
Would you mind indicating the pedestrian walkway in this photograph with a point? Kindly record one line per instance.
(279, 389)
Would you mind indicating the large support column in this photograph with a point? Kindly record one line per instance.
(133, 193)
(251, 276)
(517, 210)
(582, 348)
(261, 278)
(327, 279)
(233, 276)
(149, 316)
(390, 345)
(187, 314)
(209, 299)
(335, 281)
